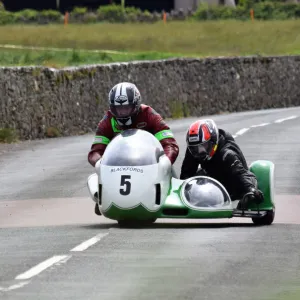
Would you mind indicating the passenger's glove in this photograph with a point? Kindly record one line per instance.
(254, 196)
(257, 196)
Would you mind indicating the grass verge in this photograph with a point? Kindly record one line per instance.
(58, 59)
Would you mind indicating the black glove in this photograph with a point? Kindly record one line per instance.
(254, 196)
(257, 196)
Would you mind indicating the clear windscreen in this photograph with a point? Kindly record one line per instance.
(205, 192)
(133, 148)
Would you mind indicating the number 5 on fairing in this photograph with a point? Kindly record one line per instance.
(125, 182)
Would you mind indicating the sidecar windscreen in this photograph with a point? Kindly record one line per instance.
(205, 192)
(133, 148)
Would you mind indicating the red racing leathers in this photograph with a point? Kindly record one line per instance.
(147, 119)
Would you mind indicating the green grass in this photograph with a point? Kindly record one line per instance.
(66, 58)
(149, 41)
(8, 135)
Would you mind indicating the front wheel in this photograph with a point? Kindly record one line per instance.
(265, 220)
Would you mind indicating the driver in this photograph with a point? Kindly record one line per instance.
(126, 111)
(220, 158)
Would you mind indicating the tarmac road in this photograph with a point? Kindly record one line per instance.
(54, 247)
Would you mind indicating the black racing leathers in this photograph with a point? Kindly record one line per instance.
(228, 166)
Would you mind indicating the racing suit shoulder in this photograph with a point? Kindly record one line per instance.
(227, 135)
(154, 120)
(155, 124)
(104, 127)
(104, 134)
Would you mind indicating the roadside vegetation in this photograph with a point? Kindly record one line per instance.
(147, 41)
(225, 32)
(60, 59)
(263, 10)
(8, 135)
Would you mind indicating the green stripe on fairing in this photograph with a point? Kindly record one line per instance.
(99, 139)
(137, 213)
(141, 213)
(164, 134)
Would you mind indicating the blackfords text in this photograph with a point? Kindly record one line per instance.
(120, 169)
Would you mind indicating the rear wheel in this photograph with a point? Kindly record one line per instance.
(265, 220)
(136, 223)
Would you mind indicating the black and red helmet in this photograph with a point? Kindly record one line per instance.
(202, 139)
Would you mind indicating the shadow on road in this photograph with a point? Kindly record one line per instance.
(169, 225)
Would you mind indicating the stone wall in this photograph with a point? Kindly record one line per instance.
(73, 100)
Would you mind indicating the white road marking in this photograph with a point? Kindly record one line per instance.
(43, 266)
(285, 119)
(83, 246)
(242, 131)
(14, 287)
(260, 125)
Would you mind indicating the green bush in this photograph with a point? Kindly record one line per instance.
(79, 10)
(212, 12)
(7, 17)
(50, 15)
(117, 14)
(78, 14)
(27, 16)
(111, 13)
(8, 135)
(278, 11)
(265, 10)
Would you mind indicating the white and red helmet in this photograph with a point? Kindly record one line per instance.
(202, 139)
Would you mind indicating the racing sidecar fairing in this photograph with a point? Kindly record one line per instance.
(136, 183)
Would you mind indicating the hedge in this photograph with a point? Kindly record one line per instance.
(263, 10)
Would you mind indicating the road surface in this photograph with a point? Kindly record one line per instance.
(53, 246)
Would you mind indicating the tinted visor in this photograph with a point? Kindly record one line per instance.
(123, 111)
(201, 150)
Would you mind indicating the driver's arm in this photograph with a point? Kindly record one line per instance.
(242, 176)
(103, 136)
(164, 134)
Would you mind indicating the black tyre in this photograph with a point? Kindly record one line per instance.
(265, 220)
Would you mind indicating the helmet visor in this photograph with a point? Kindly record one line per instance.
(122, 111)
(200, 151)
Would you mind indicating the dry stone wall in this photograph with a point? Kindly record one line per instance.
(73, 100)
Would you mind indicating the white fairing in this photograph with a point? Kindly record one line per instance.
(93, 186)
(133, 163)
